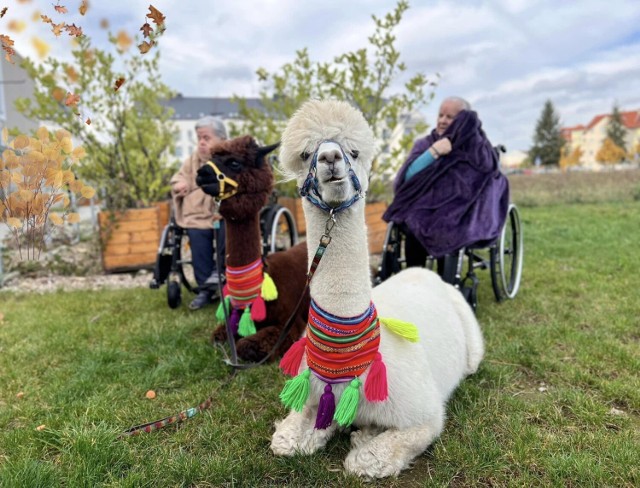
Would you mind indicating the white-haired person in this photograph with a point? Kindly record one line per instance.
(196, 212)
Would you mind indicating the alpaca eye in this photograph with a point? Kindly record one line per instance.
(234, 166)
(355, 154)
(304, 155)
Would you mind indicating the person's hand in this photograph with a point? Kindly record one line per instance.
(180, 188)
(441, 147)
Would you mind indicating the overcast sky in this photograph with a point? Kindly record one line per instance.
(505, 56)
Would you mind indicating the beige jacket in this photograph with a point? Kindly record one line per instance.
(196, 210)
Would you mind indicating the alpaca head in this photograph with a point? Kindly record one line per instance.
(329, 138)
(238, 174)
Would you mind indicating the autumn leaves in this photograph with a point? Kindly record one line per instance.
(35, 177)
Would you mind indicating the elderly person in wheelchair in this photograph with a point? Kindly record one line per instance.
(450, 194)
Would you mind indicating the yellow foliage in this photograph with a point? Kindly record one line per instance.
(610, 153)
(13, 222)
(73, 218)
(56, 219)
(5, 135)
(87, 192)
(21, 142)
(58, 94)
(39, 169)
(43, 133)
(123, 40)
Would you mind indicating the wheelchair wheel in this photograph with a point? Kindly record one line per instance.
(506, 257)
(392, 253)
(162, 267)
(183, 264)
(174, 297)
(278, 227)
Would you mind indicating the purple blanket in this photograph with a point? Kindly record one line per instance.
(461, 199)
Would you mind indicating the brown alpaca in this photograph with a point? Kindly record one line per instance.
(243, 161)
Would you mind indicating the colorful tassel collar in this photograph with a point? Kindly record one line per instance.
(338, 350)
(247, 288)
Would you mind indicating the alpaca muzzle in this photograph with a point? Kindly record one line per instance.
(227, 187)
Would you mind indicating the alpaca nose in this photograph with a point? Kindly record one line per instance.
(330, 155)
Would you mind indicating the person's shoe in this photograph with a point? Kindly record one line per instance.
(201, 300)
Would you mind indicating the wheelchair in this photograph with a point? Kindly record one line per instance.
(503, 258)
(173, 263)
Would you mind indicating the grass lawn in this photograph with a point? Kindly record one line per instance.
(556, 401)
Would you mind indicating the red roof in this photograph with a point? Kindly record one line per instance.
(631, 120)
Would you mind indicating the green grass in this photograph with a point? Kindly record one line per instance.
(538, 413)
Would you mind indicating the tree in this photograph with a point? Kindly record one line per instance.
(569, 159)
(615, 130)
(364, 78)
(125, 130)
(547, 139)
(610, 152)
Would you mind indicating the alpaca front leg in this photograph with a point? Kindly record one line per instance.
(392, 451)
(297, 434)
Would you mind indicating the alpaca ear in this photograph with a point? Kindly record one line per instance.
(263, 151)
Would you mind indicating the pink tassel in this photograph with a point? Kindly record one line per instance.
(225, 290)
(326, 409)
(375, 387)
(258, 310)
(290, 362)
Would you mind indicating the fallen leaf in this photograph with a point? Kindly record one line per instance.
(151, 394)
(20, 394)
(35, 16)
(57, 28)
(145, 46)
(119, 83)
(17, 25)
(88, 121)
(104, 24)
(615, 411)
(155, 15)
(7, 44)
(4, 11)
(74, 30)
(40, 428)
(58, 94)
(123, 41)
(71, 99)
(46, 19)
(41, 47)
(146, 29)
(60, 9)
(83, 7)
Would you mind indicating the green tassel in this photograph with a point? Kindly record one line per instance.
(401, 328)
(296, 391)
(269, 291)
(247, 327)
(220, 311)
(348, 405)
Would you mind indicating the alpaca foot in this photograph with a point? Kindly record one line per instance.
(362, 436)
(219, 335)
(373, 461)
(250, 350)
(296, 434)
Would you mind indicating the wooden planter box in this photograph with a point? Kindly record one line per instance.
(377, 227)
(130, 239)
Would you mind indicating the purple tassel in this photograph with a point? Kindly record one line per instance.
(234, 320)
(326, 409)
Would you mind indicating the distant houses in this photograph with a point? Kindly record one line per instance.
(589, 138)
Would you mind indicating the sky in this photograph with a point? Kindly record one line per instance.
(506, 57)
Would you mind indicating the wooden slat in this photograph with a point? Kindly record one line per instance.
(129, 261)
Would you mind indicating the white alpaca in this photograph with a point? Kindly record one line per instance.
(420, 375)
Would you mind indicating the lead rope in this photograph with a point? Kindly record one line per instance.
(325, 239)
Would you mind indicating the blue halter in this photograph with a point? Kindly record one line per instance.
(309, 188)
